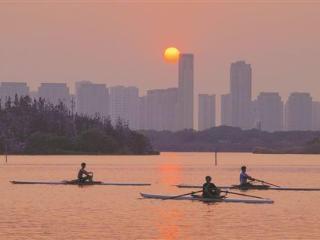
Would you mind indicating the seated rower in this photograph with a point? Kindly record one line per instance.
(84, 175)
(244, 177)
(209, 190)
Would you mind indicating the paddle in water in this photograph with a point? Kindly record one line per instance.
(261, 181)
(186, 194)
(241, 194)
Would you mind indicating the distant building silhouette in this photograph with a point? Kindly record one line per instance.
(161, 108)
(55, 93)
(240, 89)
(185, 92)
(298, 112)
(144, 120)
(91, 99)
(10, 89)
(269, 111)
(316, 116)
(207, 111)
(226, 110)
(124, 105)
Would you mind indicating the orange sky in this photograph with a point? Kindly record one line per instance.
(123, 43)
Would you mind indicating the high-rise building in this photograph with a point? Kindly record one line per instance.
(269, 111)
(298, 112)
(316, 116)
(91, 99)
(185, 92)
(207, 111)
(55, 93)
(161, 109)
(226, 110)
(240, 89)
(11, 89)
(124, 105)
(143, 113)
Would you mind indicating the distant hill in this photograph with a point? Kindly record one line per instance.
(232, 139)
(38, 127)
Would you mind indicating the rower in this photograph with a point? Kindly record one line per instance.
(84, 175)
(209, 190)
(244, 177)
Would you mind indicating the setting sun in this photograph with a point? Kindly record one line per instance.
(171, 55)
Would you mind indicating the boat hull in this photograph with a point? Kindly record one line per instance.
(94, 183)
(255, 187)
(197, 198)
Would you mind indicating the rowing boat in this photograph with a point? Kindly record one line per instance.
(72, 182)
(199, 198)
(254, 187)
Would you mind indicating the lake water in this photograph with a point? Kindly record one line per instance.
(108, 212)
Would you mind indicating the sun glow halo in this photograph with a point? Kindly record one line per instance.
(171, 55)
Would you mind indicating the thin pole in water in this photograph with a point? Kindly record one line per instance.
(6, 153)
(216, 158)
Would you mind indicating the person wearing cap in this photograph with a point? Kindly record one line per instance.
(209, 190)
(244, 177)
(84, 175)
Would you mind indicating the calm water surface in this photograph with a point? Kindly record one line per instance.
(107, 212)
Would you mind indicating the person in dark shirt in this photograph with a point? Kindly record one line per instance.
(84, 175)
(209, 190)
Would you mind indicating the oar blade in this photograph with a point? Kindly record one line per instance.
(186, 194)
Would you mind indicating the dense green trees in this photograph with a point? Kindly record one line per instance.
(37, 127)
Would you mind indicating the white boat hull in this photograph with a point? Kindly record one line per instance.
(227, 200)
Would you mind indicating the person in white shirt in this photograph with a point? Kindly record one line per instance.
(244, 177)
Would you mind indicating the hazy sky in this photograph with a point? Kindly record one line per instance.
(122, 44)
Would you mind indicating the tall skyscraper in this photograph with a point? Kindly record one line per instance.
(316, 116)
(124, 105)
(55, 93)
(269, 111)
(207, 111)
(226, 110)
(161, 109)
(185, 92)
(240, 89)
(298, 112)
(11, 89)
(91, 99)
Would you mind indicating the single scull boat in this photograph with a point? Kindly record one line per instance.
(72, 182)
(254, 187)
(199, 198)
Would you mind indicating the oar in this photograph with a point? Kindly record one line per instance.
(241, 194)
(186, 194)
(258, 180)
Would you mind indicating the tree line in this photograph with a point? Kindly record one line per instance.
(34, 126)
(233, 139)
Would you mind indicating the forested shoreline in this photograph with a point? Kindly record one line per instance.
(30, 126)
(232, 139)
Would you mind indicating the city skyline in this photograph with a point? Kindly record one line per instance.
(55, 49)
(172, 108)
